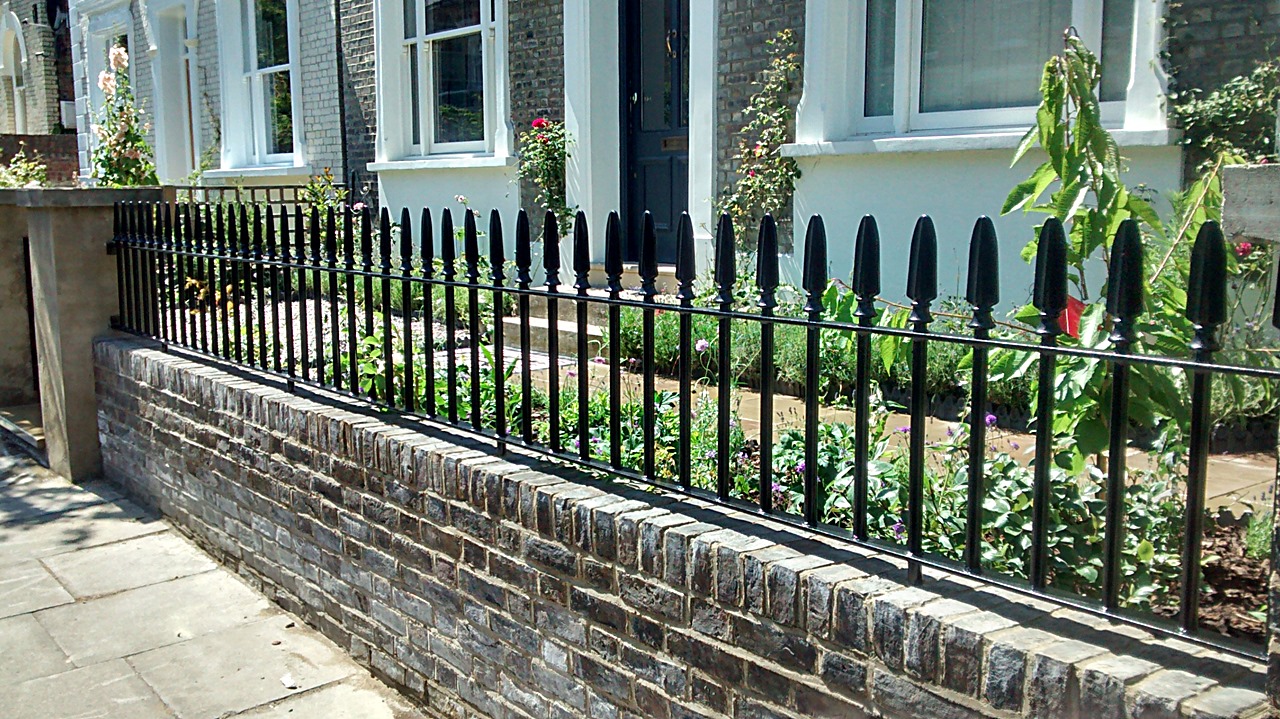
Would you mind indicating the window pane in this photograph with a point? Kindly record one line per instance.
(415, 96)
(655, 66)
(272, 25)
(882, 16)
(1117, 45)
(982, 54)
(278, 101)
(459, 89)
(410, 18)
(451, 14)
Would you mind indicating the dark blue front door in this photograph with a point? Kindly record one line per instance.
(655, 42)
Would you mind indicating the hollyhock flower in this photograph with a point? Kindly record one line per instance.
(702, 345)
(540, 123)
(107, 83)
(118, 58)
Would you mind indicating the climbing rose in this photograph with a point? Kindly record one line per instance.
(1244, 249)
(539, 123)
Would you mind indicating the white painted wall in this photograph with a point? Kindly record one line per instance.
(485, 188)
(954, 188)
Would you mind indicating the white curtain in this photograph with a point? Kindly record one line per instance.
(985, 54)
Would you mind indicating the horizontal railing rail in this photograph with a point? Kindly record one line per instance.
(354, 302)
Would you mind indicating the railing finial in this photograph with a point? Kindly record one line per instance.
(726, 260)
(686, 261)
(581, 254)
(983, 290)
(1207, 286)
(613, 253)
(815, 266)
(551, 250)
(1124, 283)
(922, 274)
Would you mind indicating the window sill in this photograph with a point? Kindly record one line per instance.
(444, 162)
(258, 171)
(996, 140)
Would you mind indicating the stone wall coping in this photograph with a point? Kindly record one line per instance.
(78, 196)
(752, 594)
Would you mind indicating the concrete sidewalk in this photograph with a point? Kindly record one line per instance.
(106, 612)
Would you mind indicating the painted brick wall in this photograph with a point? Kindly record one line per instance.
(486, 586)
(321, 107)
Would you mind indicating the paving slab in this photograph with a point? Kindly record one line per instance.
(352, 698)
(31, 502)
(111, 690)
(130, 564)
(29, 587)
(234, 670)
(27, 651)
(76, 529)
(149, 617)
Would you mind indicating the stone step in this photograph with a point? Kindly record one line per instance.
(540, 330)
(666, 282)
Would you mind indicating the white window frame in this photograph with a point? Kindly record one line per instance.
(833, 102)
(395, 136)
(244, 136)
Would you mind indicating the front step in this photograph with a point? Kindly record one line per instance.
(666, 282)
(566, 333)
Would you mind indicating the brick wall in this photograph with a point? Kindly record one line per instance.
(745, 27)
(1212, 41)
(487, 586)
(58, 152)
(536, 57)
(317, 86)
(356, 76)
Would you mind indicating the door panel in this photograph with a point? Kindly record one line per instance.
(656, 100)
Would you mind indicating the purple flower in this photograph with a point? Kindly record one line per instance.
(991, 420)
(903, 429)
(777, 488)
(709, 454)
(702, 345)
(800, 467)
(571, 374)
(951, 432)
(1015, 445)
(599, 360)
(898, 529)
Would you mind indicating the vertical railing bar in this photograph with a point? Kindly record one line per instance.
(1207, 309)
(1050, 298)
(235, 218)
(366, 284)
(300, 258)
(613, 278)
(582, 285)
(523, 279)
(815, 284)
(349, 277)
(685, 272)
(192, 237)
(384, 273)
(767, 283)
(449, 258)
(409, 389)
(286, 245)
(317, 303)
(261, 282)
(649, 292)
(983, 294)
(551, 268)
(471, 251)
(497, 259)
(149, 263)
(426, 245)
(163, 252)
(1124, 303)
(221, 329)
(180, 259)
(273, 256)
(331, 261)
(117, 245)
(922, 289)
(124, 263)
(866, 287)
(726, 274)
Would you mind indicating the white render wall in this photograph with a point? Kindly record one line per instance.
(954, 188)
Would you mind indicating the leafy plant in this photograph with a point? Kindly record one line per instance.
(24, 171)
(1238, 118)
(121, 156)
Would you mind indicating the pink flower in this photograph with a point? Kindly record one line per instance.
(542, 137)
(751, 173)
(1244, 249)
(118, 58)
(540, 123)
(107, 83)
(702, 345)
(357, 207)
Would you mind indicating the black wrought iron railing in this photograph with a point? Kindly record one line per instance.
(391, 313)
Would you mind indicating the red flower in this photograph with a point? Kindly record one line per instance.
(542, 137)
(1069, 318)
(539, 123)
(1244, 249)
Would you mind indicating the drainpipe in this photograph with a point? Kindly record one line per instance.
(342, 93)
